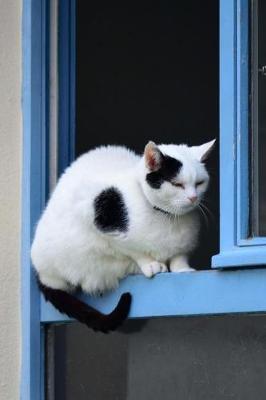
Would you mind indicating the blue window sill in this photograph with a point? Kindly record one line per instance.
(191, 293)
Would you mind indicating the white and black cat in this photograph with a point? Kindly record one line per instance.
(115, 213)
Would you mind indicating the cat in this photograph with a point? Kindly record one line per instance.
(115, 213)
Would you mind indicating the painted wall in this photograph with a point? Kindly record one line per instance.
(10, 170)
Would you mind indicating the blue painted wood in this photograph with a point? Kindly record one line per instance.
(192, 293)
(35, 110)
(67, 83)
(241, 257)
(227, 123)
(243, 131)
(72, 101)
(254, 241)
(234, 141)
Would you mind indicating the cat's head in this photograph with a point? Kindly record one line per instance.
(175, 177)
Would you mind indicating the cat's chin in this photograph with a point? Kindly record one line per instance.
(185, 210)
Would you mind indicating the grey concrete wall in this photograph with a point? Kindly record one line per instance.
(10, 175)
(192, 358)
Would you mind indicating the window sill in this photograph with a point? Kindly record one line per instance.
(191, 293)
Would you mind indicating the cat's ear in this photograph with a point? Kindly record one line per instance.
(153, 157)
(202, 152)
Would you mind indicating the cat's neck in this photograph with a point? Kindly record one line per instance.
(162, 211)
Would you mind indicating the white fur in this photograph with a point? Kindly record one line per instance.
(68, 250)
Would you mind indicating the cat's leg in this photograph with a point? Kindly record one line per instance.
(179, 263)
(150, 267)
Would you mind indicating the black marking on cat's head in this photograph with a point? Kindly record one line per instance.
(110, 211)
(169, 168)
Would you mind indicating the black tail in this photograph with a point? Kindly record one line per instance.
(74, 308)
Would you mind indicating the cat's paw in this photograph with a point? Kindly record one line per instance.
(153, 268)
(180, 264)
(181, 268)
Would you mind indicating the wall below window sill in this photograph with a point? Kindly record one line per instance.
(183, 294)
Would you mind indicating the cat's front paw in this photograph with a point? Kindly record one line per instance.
(153, 268)
(183, 268)
(180, 264)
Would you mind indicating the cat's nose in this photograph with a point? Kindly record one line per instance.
(193, 199)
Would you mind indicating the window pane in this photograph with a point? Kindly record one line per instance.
(259, 116)
(172, 358)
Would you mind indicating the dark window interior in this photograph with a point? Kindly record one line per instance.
(149, 71)
(146, 71)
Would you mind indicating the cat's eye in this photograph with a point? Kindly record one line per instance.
(180, 185)
(199, 183)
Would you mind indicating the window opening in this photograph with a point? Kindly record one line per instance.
(151, 73)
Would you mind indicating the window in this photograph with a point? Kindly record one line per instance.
(258, 103)
(242, 243)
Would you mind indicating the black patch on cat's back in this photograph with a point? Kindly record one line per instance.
(110, 211)
(170, 167)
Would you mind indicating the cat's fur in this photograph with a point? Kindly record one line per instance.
(115, 213)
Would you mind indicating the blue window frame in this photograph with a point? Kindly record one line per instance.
(205, 292)
(237, 248)
(35, 136)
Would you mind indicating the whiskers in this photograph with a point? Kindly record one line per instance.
(182, 209)
(205, 216)
(206, 212)
(212, 217)
(176, 216)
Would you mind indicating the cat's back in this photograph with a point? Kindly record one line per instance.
(93, 172)
(105, 161)
(66, 225)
